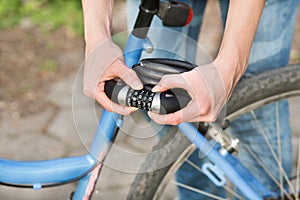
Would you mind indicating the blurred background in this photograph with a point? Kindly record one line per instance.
(41, 50)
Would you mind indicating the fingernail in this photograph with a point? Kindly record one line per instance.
(156, 89)
(137, 85)
(134, 109)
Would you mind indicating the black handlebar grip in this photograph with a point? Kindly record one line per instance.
(163, 103)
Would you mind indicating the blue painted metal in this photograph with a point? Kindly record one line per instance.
(103, 135)
(120, 123)
(44, 172)
(81, 188)
(108, 121)
(207, 149)
(248, 177)
(99, 148)
(37, 186)
(214, 174)
(133, 50)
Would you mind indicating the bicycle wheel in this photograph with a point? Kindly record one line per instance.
(250, 94)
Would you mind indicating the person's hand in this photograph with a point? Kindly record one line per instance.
(105, 62)
(205, 86)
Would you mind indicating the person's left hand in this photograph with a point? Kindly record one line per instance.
(205, 86)
(105, 63)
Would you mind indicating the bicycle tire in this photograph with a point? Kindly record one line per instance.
(249, 94)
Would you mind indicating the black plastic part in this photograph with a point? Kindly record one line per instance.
(172, 101)
(141, 99)
(112, 89)
(148, 9)
(142, 24)
(150, 5)
(176, 15)
(71, 195)
(202, 128)
(151, 70)
(184, 65)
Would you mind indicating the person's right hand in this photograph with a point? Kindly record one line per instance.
(207, 90)
(106, 62)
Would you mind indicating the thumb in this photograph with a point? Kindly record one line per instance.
(131, 79)
(128, 76)
(166, 82)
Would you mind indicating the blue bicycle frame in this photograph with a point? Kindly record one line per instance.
(87, 167)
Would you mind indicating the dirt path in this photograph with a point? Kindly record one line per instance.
(30, 61)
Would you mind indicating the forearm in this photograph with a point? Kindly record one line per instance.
(97, 21)
(241, 25)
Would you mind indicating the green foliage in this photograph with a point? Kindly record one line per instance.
(48, 14)
(120, 39)
(9, 13)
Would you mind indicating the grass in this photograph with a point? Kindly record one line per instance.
(47, 14)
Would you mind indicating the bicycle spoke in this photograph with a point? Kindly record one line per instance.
(267, 171)
(225, 187)
(273, 152)
(197, 190)
(194, 165)
(279, 151)
(298, 171)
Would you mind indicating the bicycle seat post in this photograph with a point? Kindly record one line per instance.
(148, 9)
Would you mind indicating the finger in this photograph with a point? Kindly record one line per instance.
(127, 75)
(109, 105)
(183, 115)
(170, 81)
(113, 107)
(204, 118)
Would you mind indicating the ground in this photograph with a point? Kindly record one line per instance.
(30, 61)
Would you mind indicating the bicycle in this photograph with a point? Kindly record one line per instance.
(272, 86)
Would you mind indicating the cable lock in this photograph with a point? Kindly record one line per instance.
(150, 72)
